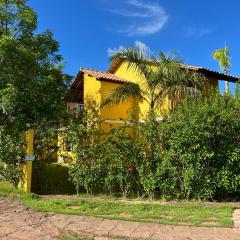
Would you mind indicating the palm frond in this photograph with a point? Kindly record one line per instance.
(165, 67)
(170, 59)
(186, 84)
(223, 58)
(162, 77)
(136, 59)
(122, 94)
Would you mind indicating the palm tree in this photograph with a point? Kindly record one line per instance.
(223, 58)
(163, 76)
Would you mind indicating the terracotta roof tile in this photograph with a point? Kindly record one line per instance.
(104, 76)
(76, 88)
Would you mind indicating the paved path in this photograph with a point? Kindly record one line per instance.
(17, 222)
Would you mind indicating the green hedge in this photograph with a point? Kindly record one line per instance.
(51, 178)
(193, 154)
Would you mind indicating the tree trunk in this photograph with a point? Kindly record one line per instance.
(226, 86)
(226, 82)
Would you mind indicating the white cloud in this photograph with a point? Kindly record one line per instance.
(112, 51)
(144, 18)
(143, 48)
(140, 45)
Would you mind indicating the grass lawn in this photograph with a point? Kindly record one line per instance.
(220, 216)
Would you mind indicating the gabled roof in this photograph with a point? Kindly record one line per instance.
(76, 89)
(104, 76)
(205, 71)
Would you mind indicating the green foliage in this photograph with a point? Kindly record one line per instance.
(8, 191)
(84, 175)
(223, 58)
(32, 83)
(31, 78)
(193, 153)
(224, 61)
(102, 160)
(83, 133)
(149, 135)
(45, 142)
(202, 145)
(17, 18)
(114, 161)
(117, 159)
(12, 154)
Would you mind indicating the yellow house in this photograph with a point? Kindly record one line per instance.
(90, 87)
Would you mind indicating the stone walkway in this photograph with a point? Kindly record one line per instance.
(17, 222)
(236, 218)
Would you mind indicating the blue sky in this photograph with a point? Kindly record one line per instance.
(88, 30)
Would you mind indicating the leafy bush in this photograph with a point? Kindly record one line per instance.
(84, 134)
(202, 141)
(84, 175)
(149, 139)
(12, 155)
(193, 153)
(45, 142)
(117, 159)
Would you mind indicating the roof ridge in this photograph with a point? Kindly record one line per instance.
(94, 70)
(103, 75)
(193, 66)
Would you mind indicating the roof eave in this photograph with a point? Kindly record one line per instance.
(207, 72)
(114, 65)
(219, 76)
(112, 81)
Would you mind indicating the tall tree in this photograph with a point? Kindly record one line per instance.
(16, 18)
(163, 76)
(32, 83)
(223, 58)
(31, 77)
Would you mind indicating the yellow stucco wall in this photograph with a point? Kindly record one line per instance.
(95, 92)
(91, 94)
(115, 112)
